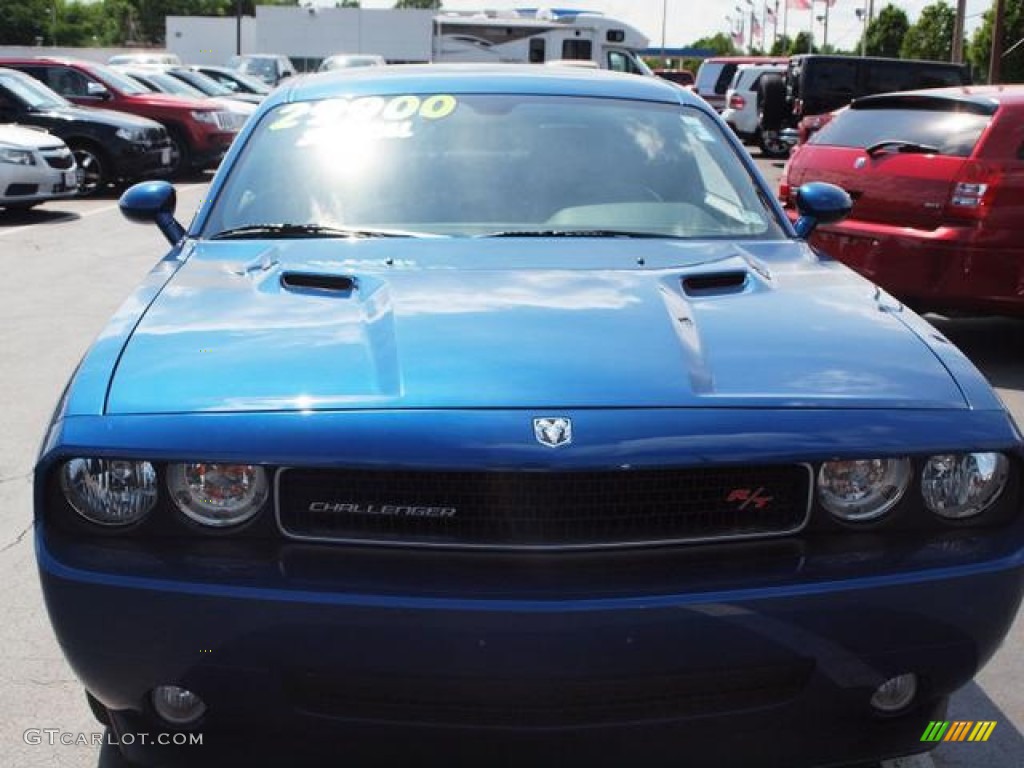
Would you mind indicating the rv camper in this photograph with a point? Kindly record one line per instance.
(538, 37)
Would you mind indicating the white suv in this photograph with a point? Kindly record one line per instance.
(741, 106)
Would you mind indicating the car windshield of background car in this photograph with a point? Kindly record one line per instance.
(34, 94)
(477, 164)
(951, 131)
(123, 83)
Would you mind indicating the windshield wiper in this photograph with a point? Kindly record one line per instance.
(901, 146)
(573, 233)
(260, 231)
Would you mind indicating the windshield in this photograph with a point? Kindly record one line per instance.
(201, 83)
(492, 164)
(948, 131)
(33, 93)
(262, 68)
(166, 83)
(113, 79)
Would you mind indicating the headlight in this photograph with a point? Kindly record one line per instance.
(16, 156)
(218, 495)
(862, 489)
(130, 134)
(959, 485)
(109, 491)
(205, 116)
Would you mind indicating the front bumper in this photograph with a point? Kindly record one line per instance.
(142, 160)
(36, 184)
(726, 654)
(211, 148)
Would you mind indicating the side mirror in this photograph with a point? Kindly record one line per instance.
(96, 91)
(820, 203)
(153, 202)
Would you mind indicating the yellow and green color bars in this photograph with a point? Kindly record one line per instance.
(958, 730)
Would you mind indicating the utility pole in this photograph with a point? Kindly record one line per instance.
(238, 27)
(995, 63)
(958, 32)
(824, 39)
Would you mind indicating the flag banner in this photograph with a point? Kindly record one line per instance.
(768, 12)
(803, 5)
(755, 27)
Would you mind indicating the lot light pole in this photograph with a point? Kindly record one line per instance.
(664, 18)
(995, 62)
(238, 27)
(958, 31)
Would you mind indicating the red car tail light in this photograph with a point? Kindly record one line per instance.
(784, 189)
(973, 191)
(737, 102)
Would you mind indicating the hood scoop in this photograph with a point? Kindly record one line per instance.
(715, 283)
(320, 283)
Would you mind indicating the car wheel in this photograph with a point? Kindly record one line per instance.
(771, 145)
(181, 156)
(93, 165)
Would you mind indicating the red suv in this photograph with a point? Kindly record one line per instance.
(937, 180)
(200, 131)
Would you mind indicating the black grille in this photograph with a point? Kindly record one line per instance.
(542, 509)
(550, 702)
(62, 162)
(21, 190)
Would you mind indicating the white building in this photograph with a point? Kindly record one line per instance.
(304, 34)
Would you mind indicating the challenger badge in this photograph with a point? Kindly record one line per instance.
(553, 432)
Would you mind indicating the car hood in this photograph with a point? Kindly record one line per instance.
(98, 116)
(24, 137)
(169, 101)
(520, 323)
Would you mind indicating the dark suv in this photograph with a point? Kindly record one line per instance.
(108, 146)
(817, 85)
(200, 132)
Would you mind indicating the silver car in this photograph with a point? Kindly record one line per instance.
(34, 167)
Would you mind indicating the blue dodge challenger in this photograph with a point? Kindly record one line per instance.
(500, 416)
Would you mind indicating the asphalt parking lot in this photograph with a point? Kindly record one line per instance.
(67, 266)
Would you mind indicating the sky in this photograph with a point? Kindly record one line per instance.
(689, 20)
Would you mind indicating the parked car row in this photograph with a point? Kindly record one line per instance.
(142, 115)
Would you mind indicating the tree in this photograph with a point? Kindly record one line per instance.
(802, 44)
(885, 34)
(980, 50)
(720, 43)
(931, 36)
(781, 46)
(435, 4)
(22, 21)
(347, 4)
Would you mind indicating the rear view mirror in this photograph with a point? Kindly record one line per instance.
(820, 203)
(153, 202)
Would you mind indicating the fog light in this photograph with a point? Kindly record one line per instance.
(178, 706)
(895, 694)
